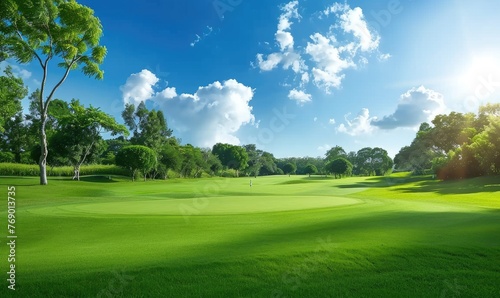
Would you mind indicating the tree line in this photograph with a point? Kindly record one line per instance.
(456, 145)
(145, 144)
(452, 146)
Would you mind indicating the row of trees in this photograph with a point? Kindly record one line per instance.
(453, 146)
(145, 144)
(456, 145)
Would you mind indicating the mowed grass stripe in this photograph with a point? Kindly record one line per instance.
(205, 206)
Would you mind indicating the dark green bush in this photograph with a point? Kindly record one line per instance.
(7, 157)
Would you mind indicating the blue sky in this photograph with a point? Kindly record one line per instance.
(294, 77)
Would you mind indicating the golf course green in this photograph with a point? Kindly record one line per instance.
(298, 236)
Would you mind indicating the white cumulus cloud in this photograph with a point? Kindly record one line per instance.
(353, 21)
(359, 125)
(415, 106)
(347, 43)
(270, 63)
(167, 93)
(214, 113)
(284, 38)
(329, 65)
(299, 96)
(139, 87)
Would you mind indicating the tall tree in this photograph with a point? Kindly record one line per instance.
(486, 147)
(231, 156)
(450, 131)
(419, 155)
(192, 161)
(149, 127)
(169, 158)
(289, 168)
(42, 30)
(339, 166)
(268, 163)
(254, 162)
(136, 158)
(335, 153)
(311, 169)
(79, 134)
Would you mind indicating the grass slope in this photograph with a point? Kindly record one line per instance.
(283, 237)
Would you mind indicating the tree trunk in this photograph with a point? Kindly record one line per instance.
(44, 151)
(77, 173)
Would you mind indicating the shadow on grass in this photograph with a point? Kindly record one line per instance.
(467, 186)
(421, 184)
(99, 179)
(301, 181)
(385, 181)
(19, 181)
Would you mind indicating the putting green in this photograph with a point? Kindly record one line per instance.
(200, 206)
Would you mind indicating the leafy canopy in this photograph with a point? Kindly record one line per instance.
(42, 29)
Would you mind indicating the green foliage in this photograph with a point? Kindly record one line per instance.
(450, 131)
(15, 169)
(372, 161)
(334, 153)
(78, 137)
(169, 159)
(301, 163)
(231, 156)
(458, 146)
(259, 162)
(149, 127)
(311, 169)
(289, 168)
(34, 29)
(229, 173)
(135, 158)
(7, 157)
(12, 91)
(419, 155)
(15, 137)
(340, 167)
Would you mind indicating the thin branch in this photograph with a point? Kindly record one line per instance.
(87, 152)
(66, 73)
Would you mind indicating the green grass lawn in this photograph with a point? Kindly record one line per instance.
(296, 236)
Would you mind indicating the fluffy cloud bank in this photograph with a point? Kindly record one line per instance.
(214, 113)
(139, 87)
(415, 106)
(361, 124)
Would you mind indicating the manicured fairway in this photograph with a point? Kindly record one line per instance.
(285, 236)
